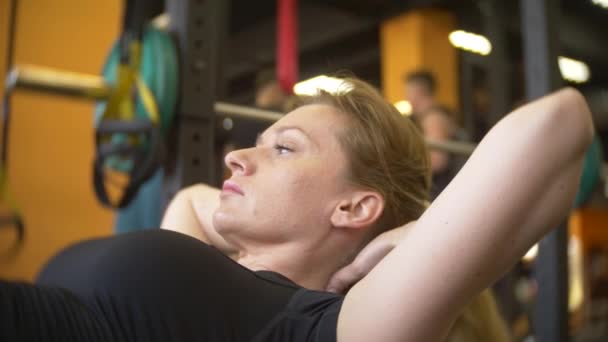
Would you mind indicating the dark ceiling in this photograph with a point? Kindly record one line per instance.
(343, 35)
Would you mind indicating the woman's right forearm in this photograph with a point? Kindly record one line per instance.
(180, 216)
(191, 213)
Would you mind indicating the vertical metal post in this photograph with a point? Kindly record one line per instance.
(495, 27)
(466, 95)
(200, 28)
(539, 23)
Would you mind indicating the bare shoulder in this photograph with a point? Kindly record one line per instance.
(190, 212)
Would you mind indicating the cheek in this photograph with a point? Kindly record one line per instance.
(309, 188)
(287, 189)
(301, 188)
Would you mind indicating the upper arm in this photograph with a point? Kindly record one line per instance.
(518, 184)
(191, 212)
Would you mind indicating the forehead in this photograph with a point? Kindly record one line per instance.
(314, 119)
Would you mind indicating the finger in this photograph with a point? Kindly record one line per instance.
(336, 283)
(344, 278)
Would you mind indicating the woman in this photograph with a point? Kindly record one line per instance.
(350, 166)
(317, 187)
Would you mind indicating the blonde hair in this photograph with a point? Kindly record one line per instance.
(385, 150)
(480, 321)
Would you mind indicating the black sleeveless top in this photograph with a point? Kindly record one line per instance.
(161, 286)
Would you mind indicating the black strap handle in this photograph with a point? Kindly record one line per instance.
(13, 220)
(147, 157)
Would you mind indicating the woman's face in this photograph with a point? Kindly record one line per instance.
(287, 186)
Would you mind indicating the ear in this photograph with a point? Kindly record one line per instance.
(360, 210)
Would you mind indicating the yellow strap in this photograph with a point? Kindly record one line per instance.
(147, 99)
(5, 194)
(120, 104)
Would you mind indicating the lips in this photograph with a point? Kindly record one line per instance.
(232, 187)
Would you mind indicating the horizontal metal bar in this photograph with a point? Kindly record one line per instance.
(456, 147)
(58, 81)
(233, 110)
(94, 87)
(246, 112)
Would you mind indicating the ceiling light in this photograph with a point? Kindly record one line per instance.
(161, 22)
(531, 254)
(470, 42)
(312, 86)
(601, 3)
(404, 107)
(573, 70)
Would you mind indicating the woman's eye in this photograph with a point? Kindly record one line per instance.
(282, 149)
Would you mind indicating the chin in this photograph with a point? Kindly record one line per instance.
(224, 222)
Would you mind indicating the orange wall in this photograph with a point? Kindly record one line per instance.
(419, 40)
(5, 6)
(51, 138)
(7, 236)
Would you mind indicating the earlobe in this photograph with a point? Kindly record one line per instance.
(363, 209)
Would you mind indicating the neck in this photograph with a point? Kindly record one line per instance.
(310, 268)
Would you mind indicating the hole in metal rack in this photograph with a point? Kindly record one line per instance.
(227, 123)
(198, 65)
(196, 137)
(195, 161)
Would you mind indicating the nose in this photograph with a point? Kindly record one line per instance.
(239, 162)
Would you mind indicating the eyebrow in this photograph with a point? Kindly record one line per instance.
(288, 128)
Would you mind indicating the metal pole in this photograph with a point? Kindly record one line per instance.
(57, 81)
(539, 23)
(234, 110)
(199, 28)
(494, 20)
(466, 95)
